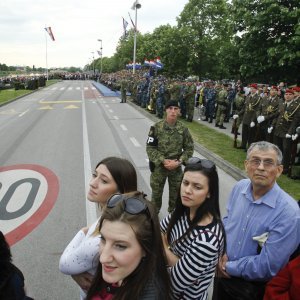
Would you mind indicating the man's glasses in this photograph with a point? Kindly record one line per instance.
(267, 163)
(205, 163)
(132, 205)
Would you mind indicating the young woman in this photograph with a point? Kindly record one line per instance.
(193, 234)
(132, 260)
(80, 258)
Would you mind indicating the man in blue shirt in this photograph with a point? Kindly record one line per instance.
(262, 226)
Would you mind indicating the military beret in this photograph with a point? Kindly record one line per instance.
(171, 103)
(253, 85)
(296, 89)
(274, 87)
(289, 91)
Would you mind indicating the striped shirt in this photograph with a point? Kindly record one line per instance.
(198, 252)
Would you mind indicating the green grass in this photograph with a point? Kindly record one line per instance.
(222, 145)
(10, 94)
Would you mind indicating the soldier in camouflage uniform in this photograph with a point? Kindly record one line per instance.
(190, 100)
(169, 144)
(123, 90)
(223, 102)
(160, 101)
(238, 110)
(210, 99)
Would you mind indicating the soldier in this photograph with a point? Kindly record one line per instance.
(160, 101)
(153, 96)
(169, 144)
(210, 100)
(182, 102)
(267, 112)
(231, 96)
(223, 102)
(123, 90)
(190, 100)
(238, 110)
(248, 124)
(285, 126)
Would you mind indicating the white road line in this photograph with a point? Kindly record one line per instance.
(54, 88)
(78, 88)
(106, 105)
(110, 110)
(116, 117)
(86, 88)
(123, 127)
(23, 113)
(62, 88)
(135, 142)
(93, 88)
(91, 209)
(70, 88)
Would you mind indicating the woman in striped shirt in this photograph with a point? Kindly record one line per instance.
(193, 233)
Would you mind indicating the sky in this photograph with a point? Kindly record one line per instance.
(76, 25)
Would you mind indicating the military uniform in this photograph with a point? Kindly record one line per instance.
(223, 102)
(238, 109)
(167, 142)
(210, 101)
(252, 105)
(123, 91)
(190, 101)
(269, 109)
(160, 101)
(286, 123)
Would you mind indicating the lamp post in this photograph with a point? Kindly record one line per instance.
(101, 55)
(93, 64)
(136, 5)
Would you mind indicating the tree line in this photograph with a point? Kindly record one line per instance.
(257, 41)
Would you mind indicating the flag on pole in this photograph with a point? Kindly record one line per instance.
(131, 21)
(125, 24)
(48, 29)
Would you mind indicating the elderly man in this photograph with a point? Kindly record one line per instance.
(262, 228)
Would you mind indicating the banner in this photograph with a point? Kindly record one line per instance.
(48, 29)
(125, 24)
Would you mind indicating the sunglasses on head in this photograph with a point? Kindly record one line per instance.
(132, 205)
(205, 163)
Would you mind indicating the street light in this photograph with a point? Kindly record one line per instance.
(136, 5)
(99, 40)
(93, 63)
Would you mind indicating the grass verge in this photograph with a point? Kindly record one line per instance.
(11, 94)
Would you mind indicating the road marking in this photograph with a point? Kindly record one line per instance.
(54, 88)
(62, 88)
(123, 127)
(90, 207)
(27, 195)
(93, 88)
(86, 88)
(110, 110)
(23, 113)
(60, 101)
(106, 105)
(71, 107)
(135, 142)
(70, 88)
(78, 88)
(45, 107)
(116, 117)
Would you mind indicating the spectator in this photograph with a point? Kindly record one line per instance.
(80, 258)
(11, 278)
(193, 234)
(169, 144)
(132, 260)
(262, 228)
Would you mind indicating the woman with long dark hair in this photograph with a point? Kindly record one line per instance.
(193, 233)
(132, 259)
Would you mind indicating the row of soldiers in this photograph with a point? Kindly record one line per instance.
(264, 113)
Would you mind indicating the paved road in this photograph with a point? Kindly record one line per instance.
(50, 142)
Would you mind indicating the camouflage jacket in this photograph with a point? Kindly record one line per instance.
(166, 142)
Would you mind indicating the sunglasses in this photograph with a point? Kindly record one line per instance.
(132, 205)
(205, 163)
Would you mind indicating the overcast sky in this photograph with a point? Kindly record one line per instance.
(76, 25)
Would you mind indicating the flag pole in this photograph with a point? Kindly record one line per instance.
(46, 54)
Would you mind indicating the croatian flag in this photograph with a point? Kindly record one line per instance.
(158, 63)
(48, 29)
(146, 62)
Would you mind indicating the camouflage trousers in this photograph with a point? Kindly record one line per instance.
(157, 182)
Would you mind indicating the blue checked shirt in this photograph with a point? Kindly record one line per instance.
(277, 214)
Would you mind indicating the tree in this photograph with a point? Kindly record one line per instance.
(269, 38)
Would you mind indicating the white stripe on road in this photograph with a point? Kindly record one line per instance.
(78, 88)
(23, 113)
(110, 110)
(135, 142)
(70, 88)
(116, 117)
(123, 127)
(91, 209)
(62, 88)
(86, 88)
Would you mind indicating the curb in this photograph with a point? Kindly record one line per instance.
(227, 167)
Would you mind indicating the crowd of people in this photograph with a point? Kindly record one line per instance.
(128, 253)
